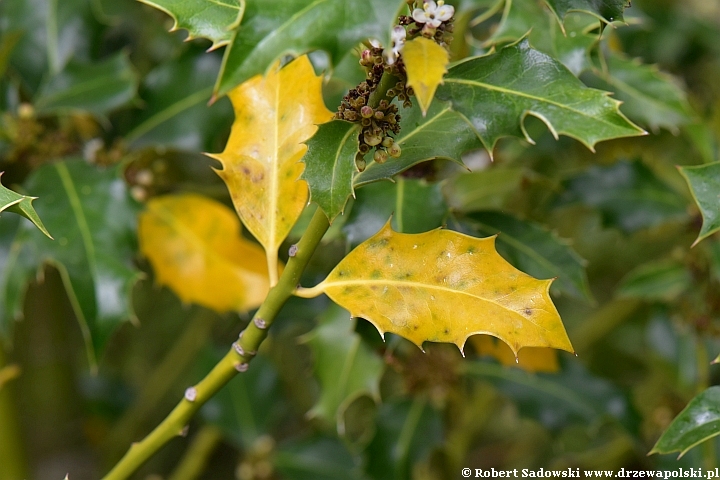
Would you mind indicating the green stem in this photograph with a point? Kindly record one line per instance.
(12, 457)
(198, 453)
(237, 359)
(161, 380)
(386, 83)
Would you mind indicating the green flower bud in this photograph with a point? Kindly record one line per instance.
(371, 139)
(395, 150)
(380, 156)
(360, 163)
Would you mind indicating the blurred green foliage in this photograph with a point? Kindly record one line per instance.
(100, 106)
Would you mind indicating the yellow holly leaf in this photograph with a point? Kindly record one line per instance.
(274, 115)
(531, 359)
(425, 63)
(195, 248)
(443, 286)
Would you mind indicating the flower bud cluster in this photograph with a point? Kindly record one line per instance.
(380, 123)
(431, 20)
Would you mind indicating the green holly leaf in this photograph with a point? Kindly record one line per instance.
(414, 205)
(407, 432)
(650, 97)
(483, 190)
(318, 458)
(568, 42)
(627, 194)
(97, 88)
(214, 20)
(555, 399)
(93, 219)
(169, 103)
(497, 92)
(518, 18)
(22, 205)
(698, 422)
(534, 250)
(662, 280)
(345, 367)
(704, 182)
(330, 165)
(607, 10)
(51, 33)
(273, 28)
(419, 141)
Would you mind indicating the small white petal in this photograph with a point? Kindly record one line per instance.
(445, 12)
(398, 35)
(430, 5)
(390, 56)
(419, 16)
(435, 23)
(375, 43)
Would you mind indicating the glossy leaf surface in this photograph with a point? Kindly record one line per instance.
(662, 280)
(272, 28)
(330, 165)
(214, 20)
(195, 248)
(555, 399)
(569, 40)
(650, 97)
(443, 286)
(628, 195)
(22, 205)
(168, 103)
(97, 88)
(704, 182)
(274, 116)
(419, 140)
(535, 250)
(407, 432)
(482, 190)
(608, 10)
(345, 367)
(51, 34)
(318, 458)
(414, 205)
(425, 63)
(498, 91)
(698, 422)
(93, 222)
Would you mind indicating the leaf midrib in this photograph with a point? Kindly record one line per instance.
(83, 87)
(79, 214)
(341, 146)
(407, 283)
(423, 126)
(476, 83)
(167, 113)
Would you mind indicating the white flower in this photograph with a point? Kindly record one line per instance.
(397, 36)
(433, 14)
